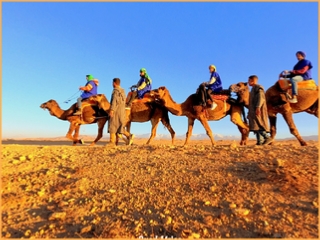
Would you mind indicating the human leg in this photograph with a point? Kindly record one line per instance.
(294, 81)
(258, 137)
(78, 112)
(133, 96)
(213, 105)
(267, 139)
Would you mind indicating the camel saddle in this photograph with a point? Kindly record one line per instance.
(146, 98)
(306, 84)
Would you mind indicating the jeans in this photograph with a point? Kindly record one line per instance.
(79, 102)
(294, 81)
(261, 136)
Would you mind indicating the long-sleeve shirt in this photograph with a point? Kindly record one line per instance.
(214, 83)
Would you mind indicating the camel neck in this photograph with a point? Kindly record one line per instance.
(58, 112)
(175, 108)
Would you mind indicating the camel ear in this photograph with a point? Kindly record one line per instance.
(245, 83)
(162, 88)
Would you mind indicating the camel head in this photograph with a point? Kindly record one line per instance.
(242, 91)
(160, 94)
(51, 104)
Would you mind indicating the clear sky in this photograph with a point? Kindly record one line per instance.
(49, 47)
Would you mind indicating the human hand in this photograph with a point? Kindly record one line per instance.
(81, 88)
(111, 113)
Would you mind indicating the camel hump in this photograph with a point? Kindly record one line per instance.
(93, 100)
(306, 84)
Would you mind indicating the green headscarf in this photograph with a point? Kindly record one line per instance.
(145, 74)
(90, 77)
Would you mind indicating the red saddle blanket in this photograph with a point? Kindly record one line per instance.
(307, 84)
(222, 97)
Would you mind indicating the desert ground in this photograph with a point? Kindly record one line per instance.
(55, 190)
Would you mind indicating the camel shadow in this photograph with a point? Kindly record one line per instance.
(249, 171)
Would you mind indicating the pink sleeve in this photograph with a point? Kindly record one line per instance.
(300, 71)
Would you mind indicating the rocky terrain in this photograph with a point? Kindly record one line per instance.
(59, 191)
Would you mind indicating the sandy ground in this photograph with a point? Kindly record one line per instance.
(54, 190)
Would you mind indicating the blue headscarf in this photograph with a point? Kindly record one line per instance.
(301, 53)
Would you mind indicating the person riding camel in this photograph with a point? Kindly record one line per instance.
(142, 87)
(90, 89)
(214, 85)
(301, 72)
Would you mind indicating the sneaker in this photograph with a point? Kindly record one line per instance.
(267, 141)
(77, 113)
(293, 100)
(213, 106)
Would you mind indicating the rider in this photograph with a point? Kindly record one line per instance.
(143, 86)
(301, 71)
(214, 85)
(90, 89)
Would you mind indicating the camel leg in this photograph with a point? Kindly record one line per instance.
(273, 126)
(293, 129)
(235, 117)
(76, 135)
(101, 124)
(206, 126)
(170, 129)
(75, 128)
(189, 132)
(70, 131)
(155, 123)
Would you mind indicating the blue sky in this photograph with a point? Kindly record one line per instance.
(49, 47)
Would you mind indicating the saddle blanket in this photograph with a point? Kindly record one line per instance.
(307, 84)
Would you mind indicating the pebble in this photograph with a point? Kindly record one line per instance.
(242, 211)
(57, 215)
(86, 229)
(278, 162)
(232, 205)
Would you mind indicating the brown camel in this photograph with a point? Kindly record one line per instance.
(193, 111)
(91, 113)
(276, 97)
(144, 110)
(308, 99)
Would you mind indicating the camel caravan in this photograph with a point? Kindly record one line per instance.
(294, 92)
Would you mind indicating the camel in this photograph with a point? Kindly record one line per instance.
(144, 110)
(192, 110)
(308, 100)
(91, 113)
(276, 98)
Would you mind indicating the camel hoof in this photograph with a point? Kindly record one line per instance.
(303, 144)
(92, 144)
